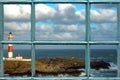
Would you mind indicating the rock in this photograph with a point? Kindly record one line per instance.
(59, 64)
(99, 64)
(51, 66)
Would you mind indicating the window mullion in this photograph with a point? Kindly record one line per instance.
(33, 37)
(87, 54)
(1, 38)
(118, 35)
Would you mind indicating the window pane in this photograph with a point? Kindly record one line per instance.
(17, 21)
(60, 22)
(17, 60)
(106, 57)
(60, 60)
(103, 22)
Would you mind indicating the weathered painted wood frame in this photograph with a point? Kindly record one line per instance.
(33, 42)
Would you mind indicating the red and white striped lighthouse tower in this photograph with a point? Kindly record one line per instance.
(10, 46)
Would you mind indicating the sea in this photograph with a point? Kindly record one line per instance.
(107, 55)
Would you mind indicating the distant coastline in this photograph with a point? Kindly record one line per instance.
(105, 54)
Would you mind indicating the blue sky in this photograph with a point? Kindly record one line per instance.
(61, 22)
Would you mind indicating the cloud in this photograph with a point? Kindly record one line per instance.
(67, 14)
(62, 23)
(21, 31)
(60, 32)
(104, 32)
(44, 28)
(103, 16)
(63, 14)
(104, 13)
(44, 12)
(67, 10)
(104, 6)
(20, 13)
(64, 36)
(14, 26)
(70, 28)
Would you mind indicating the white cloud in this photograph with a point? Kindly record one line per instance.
(45, 28)
(67, 22)
(17, 12)
(21, 31)
(60, 32)
(43, 35)
(68, 27)
(64, 14)
(103, 15)
(104, 32)
(80, 16)
(68, 14)
(66, 10)
(14, 26)
(64, 36)
(44, 12)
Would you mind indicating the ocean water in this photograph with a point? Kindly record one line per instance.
(107, 55)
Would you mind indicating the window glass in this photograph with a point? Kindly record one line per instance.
(60, 22)
(17, 21)
(106, 58)
(103, 22)
(17, 60)
(60, 60)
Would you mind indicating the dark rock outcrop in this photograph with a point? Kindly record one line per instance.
(99, 64)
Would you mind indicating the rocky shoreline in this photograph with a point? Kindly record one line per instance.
(51, 66)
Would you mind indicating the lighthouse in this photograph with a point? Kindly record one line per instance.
(10, 46)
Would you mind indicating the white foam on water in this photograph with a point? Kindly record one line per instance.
(113, 66)
(111, 72)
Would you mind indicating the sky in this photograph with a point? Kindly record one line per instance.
(61, 22)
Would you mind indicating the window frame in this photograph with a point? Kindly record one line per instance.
(87, 41)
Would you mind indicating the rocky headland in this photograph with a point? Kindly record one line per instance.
(51, 66)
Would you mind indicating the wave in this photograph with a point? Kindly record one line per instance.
(111, 72)
(113, 66)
